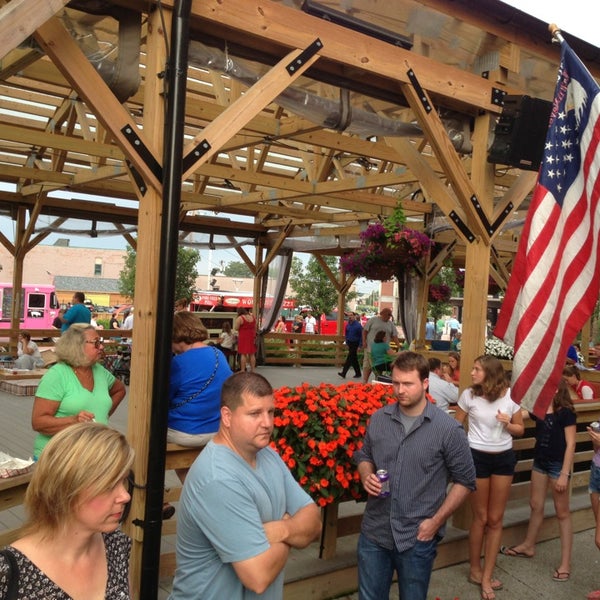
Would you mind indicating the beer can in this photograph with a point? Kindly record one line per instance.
(383, 476)
(595, 426)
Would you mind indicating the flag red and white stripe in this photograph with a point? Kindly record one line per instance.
(555, 280)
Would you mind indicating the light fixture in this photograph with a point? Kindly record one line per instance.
(211, 242)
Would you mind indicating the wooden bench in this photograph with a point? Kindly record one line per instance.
(12, 493)
(178, 457)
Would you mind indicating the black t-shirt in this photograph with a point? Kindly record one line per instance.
(550, 442)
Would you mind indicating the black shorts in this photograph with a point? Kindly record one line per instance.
(494, 463)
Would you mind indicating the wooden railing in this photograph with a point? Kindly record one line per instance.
(304, 349)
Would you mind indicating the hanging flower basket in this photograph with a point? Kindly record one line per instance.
(385, 253)
(318, 429)
(439, 292)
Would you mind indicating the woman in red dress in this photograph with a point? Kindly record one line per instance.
(245, 327)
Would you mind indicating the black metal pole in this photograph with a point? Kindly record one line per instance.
(172, 171)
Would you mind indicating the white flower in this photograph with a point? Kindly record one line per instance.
(497, 348)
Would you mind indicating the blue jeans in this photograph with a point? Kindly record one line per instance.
(376, 566)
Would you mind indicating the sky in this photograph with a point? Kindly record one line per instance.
(573, 17)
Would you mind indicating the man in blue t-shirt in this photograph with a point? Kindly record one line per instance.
(241, 510)
(78, 313)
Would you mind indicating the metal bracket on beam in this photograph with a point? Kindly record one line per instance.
(507, 209)
(136, 143)
(481, 213)
(498, 96)
(422, 96)
(137, 178)
(191, 157)
(307, 54)
(462, 226)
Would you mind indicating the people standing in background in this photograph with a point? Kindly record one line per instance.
(310, 323)
(494, 418)
(28, 353)
(279, 326)
(443, 392)
(114, 322)
(439, 328)
(226, 341)
(422, 449)
(58, 322)
(78, 313)
(353, 337)
(128, 322)
(429, 330)
(582, 389)
(381, 322)
(453, 326)
(246, 330)
(552, 464)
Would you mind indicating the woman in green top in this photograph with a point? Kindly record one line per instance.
(76, 389)
(381, 353)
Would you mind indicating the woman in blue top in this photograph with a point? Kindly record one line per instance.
(552, 463)
(198, 371)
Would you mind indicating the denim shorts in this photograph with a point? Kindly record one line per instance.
(551, 468)
(594, 487)
(494, 463)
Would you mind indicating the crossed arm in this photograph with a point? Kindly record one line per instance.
(298, 531)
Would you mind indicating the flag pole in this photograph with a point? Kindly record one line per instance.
(556, 34)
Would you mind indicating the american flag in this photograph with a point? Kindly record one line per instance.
(555, 280)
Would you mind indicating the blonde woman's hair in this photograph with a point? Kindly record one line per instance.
(86, 459)
(494, 383)
(70, 345)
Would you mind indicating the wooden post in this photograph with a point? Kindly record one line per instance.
(145, 313)
(329, 515)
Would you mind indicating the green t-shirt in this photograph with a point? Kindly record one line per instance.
(60, 384)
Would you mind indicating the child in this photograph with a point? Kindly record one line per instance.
(226, 340)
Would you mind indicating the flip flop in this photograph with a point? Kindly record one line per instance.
(510, 551)
(495, 585)
(595, 595)
(561, 575)
(487, 595)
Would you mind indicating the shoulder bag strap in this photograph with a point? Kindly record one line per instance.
(206, 384)
(13, 574)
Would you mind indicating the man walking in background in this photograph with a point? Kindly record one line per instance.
(353, 336)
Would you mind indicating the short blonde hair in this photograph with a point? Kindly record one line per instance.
(83, 459)
(69, 348)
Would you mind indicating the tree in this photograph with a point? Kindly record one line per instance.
(237, 269)
(311, 285)
(185, 277)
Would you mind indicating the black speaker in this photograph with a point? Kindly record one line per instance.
(520, 133)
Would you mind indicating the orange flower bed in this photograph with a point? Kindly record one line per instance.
(318, 429)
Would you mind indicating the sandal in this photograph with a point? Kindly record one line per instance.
(487, 594)
(496, 584)
(510, 551)
(561, 575)
(595, 595)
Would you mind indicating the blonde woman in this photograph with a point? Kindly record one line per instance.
(71, 545)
